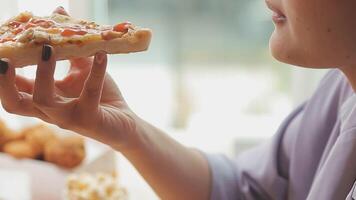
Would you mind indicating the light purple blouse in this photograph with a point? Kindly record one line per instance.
(312, 156)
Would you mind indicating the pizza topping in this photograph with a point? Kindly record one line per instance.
(71, 32)
(42, 23)
(54, 30)
(18, 27)
(123, 27)
(37, 21)
(55, 39)
(3, 40)
(17, 31)
(59, 29)
(41, 37)
(24, 17)
(29, 25)
(3, 29)
(26, 36)
(110, 35)
(14, 24)
(91, 25)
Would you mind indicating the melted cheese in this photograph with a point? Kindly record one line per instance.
(39, 30)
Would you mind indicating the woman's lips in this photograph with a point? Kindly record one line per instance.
(277, 16)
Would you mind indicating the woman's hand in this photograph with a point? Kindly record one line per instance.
(86, 101)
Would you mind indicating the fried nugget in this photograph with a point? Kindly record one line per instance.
(38, 136)
(21, 149)
(66, 152)
(7, 135)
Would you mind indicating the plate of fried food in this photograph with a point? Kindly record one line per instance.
(41, 143)
(47, 156)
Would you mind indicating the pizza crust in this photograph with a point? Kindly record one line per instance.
(24, 55)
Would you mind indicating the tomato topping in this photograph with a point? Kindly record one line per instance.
(24, 18)
(42, 22)
(70, 32)
(15, 24)
(81, 32)
(67, 33)
(36, 21)
(7, 40)
(123, 27)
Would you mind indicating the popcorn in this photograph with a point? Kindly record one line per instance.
(99, 186)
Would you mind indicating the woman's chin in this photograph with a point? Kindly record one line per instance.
(279, 51)
(294, 57)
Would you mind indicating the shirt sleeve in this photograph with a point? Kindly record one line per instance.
(256, 173)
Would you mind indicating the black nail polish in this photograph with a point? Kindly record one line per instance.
(46, 52)
(3, 67)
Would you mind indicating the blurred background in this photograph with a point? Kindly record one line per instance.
(208, 78)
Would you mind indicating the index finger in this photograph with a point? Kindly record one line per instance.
(43, 92)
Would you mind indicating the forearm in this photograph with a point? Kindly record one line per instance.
(172, 170)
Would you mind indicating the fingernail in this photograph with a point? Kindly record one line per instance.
(46, 52)
(3, 67)
(99, 57)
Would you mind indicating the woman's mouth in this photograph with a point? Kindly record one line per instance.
(277, 16)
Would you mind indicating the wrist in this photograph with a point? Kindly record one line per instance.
(136, 139)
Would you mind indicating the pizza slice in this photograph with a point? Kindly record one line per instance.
(22, 38)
